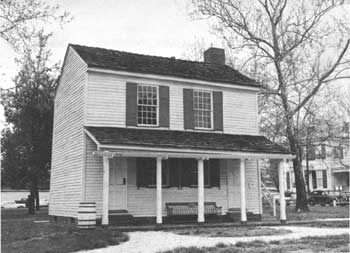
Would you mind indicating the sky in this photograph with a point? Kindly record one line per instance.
(154, 27)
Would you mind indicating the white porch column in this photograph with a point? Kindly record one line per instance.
(281, 182)
(105, 196)
(200, 190)
(242, 188)
(159, 190)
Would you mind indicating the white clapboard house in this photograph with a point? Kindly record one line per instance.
(155, 138)
(326, 165)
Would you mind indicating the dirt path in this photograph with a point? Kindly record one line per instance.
(151, 242)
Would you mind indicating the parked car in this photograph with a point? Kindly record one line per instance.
(44, 202)
(321, 198)
(343, 199)
(21, 201)
(12, 204)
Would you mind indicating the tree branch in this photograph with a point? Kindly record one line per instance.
(323, 78)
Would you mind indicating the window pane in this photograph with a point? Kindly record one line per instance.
(202, 109)
(147, 105)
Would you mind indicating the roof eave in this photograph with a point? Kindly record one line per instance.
(236, 85)
(139, 151)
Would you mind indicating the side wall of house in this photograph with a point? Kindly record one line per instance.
(67, 147)
(106, 103)
(93, 176)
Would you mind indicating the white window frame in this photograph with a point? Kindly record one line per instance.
(211, 111)
(157, 106)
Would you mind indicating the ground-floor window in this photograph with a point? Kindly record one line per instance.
(147, 174)
(314, 179)
(324, 177)
(177, 172)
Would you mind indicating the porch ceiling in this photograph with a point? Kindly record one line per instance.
(184, 141)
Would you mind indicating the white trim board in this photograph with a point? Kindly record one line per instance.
(123, 151)
(173, 79)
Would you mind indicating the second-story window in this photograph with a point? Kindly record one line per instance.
(202, 107)
(147, 105)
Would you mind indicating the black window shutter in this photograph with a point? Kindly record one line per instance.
(314, 180)
(218, 113)
(131, 104)
(163, 106)
(214, 165)
(187, 178)
(174, 172)
(141, 175)
(188, 108)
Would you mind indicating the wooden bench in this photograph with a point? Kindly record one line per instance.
(191, 208)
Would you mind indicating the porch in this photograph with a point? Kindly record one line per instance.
(237, 171)
(341, 179)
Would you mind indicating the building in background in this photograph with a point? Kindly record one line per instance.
(325, 167)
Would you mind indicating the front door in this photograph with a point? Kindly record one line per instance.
(118, 184)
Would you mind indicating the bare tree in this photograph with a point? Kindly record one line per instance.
(293, 47)
(22, 20)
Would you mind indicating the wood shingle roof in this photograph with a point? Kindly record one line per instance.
(146, 64)
(185, 140)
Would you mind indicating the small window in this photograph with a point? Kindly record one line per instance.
(202, 106)
(147, 105)
(311, 152)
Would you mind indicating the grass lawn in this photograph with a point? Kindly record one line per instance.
(327, 224)
(19, 233)
(231, 231)
(309, 244)
(318, 212)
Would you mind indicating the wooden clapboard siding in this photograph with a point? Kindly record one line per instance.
(240, 112)
(106, 103)
(93, 176)
(176, 108)
(252, 186)
(67, 147)
(252, 192)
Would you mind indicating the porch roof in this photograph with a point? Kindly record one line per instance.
(111, 137)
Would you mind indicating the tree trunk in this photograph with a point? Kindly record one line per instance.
(31, 199)
(37, 199)
(301, 204)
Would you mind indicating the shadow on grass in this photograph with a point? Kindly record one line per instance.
(22, 234)
(339, 243)
(231, 231)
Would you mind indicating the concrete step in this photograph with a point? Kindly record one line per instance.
(120, 217)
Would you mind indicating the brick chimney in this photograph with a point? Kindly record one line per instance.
(214, 55)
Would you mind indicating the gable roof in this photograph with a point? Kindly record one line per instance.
(146, 64)
(185, 140)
